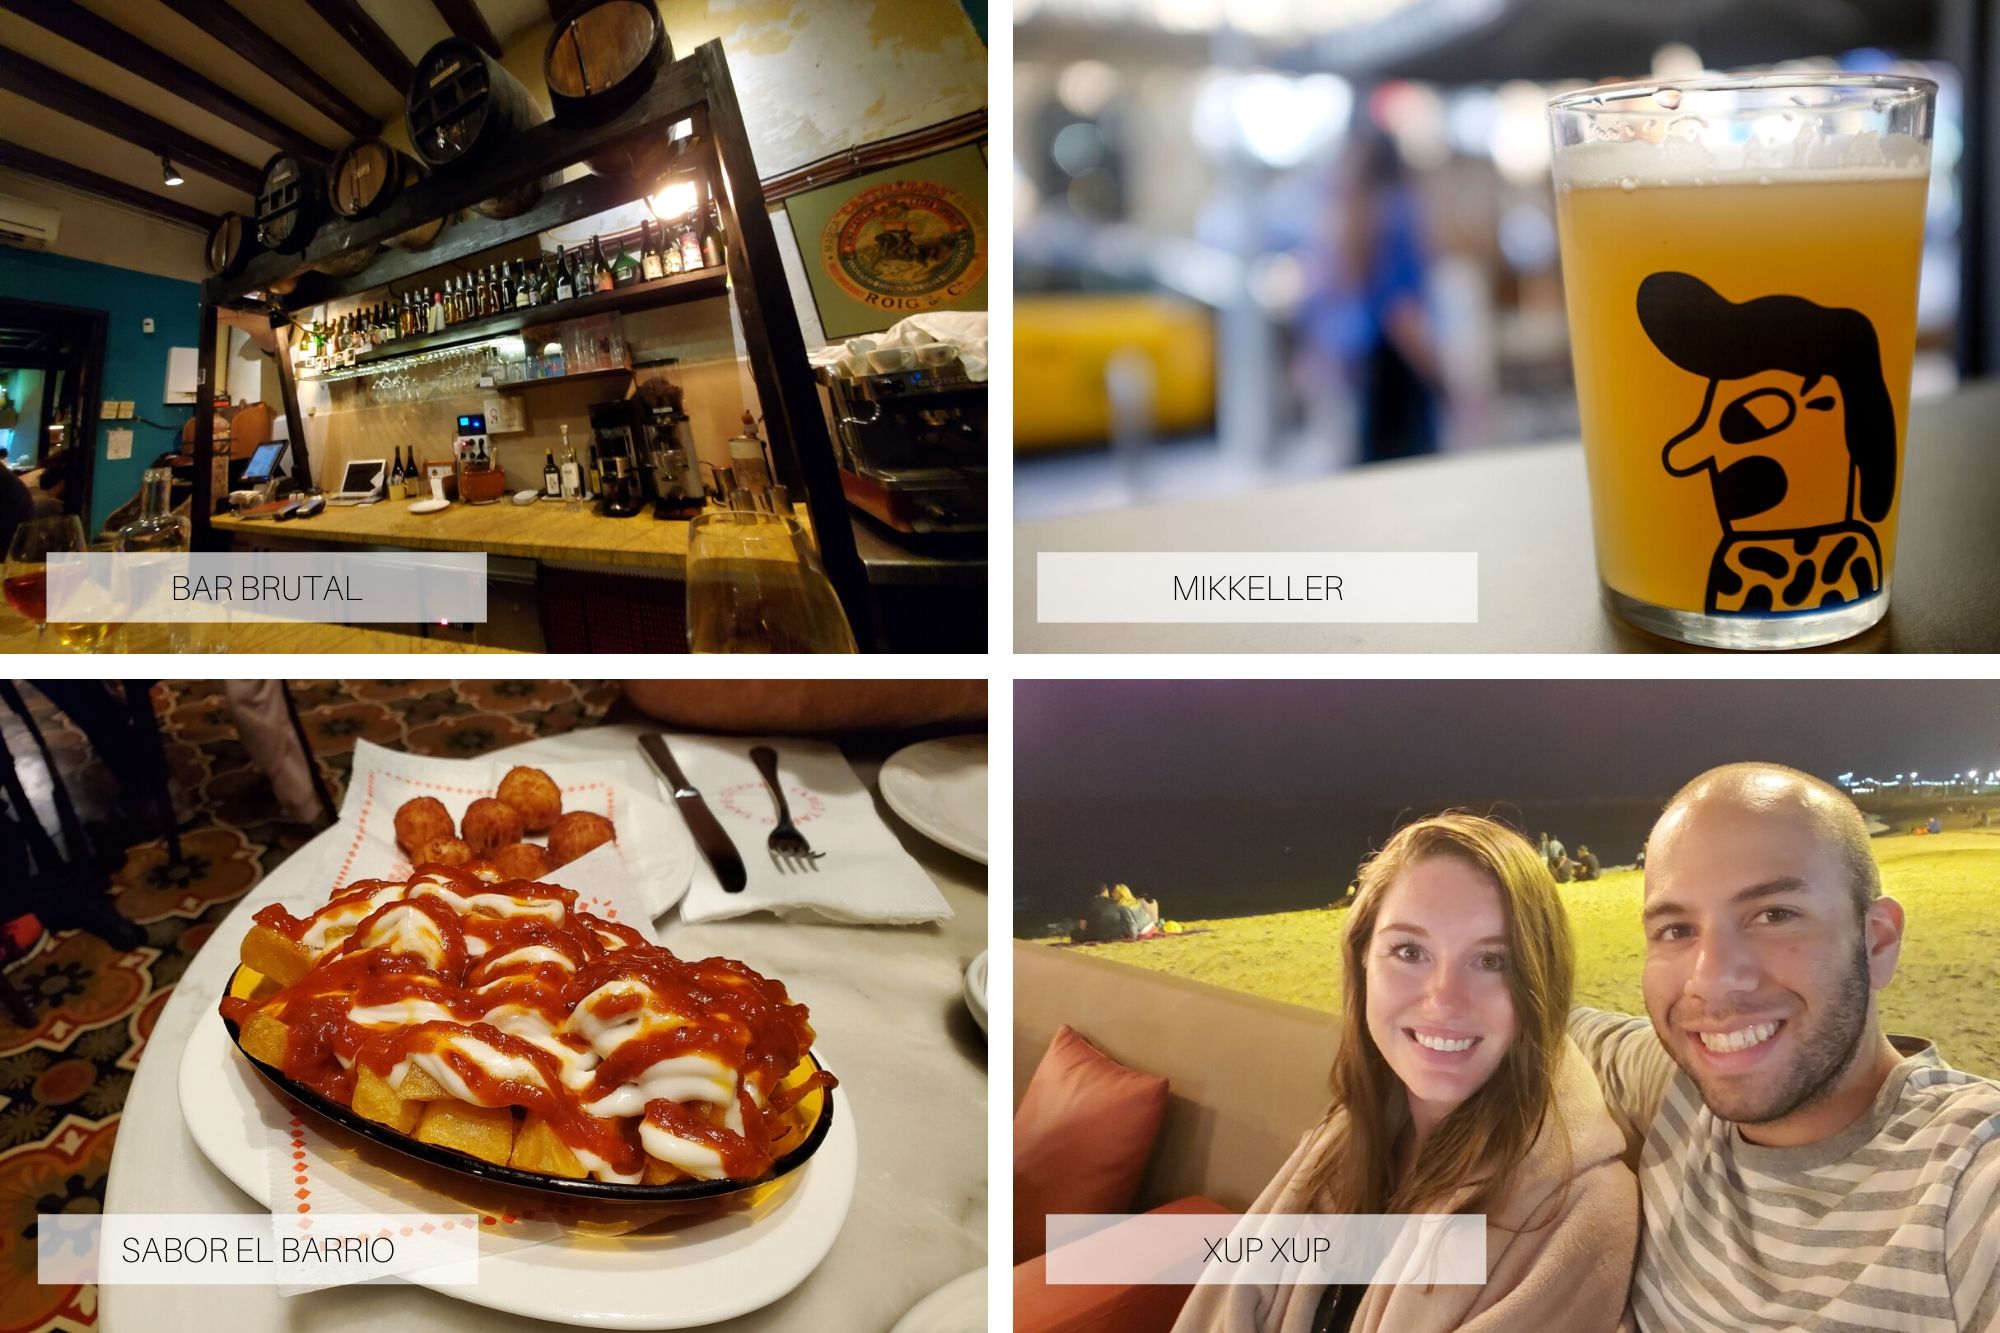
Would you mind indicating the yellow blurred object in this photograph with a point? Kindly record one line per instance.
(1064, 344)
(1171, 928)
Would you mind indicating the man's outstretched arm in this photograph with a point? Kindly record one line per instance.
(1631, 1066)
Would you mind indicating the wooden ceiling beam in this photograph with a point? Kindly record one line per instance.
(31, 163)
(228, 26)
(78, 26)
(365, 35)
(468, 23)
(80, 101)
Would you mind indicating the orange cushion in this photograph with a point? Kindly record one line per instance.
(1041, 1308)
(1082, 1135)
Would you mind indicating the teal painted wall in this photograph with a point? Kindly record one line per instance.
(135, 362)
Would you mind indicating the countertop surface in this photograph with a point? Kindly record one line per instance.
(1526, 512)
(550, 532)
(912, 1064)
(17, 635)
(538, 531)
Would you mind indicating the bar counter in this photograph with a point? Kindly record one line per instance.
(17, 635)
(540, 531)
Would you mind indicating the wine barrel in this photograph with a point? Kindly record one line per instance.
(230, 245)
(348, 262)
(463, 107)
(602, 57)
(291, 203)
(367, 176)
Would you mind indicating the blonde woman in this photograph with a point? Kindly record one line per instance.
(1457, 1090)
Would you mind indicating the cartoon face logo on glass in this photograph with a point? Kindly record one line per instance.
(1796, 435)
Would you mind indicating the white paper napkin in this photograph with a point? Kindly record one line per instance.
(865, 878)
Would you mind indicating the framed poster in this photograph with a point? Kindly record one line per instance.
(897, 242)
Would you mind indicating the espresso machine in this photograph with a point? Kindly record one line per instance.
(912, 446)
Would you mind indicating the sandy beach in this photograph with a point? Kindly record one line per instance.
(1947, 985)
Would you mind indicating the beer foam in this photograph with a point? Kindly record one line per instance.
(1706, 155)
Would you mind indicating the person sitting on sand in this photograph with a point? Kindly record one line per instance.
(1585, 864)
(1455, 1090)
(1102, 920)
(1142, 915)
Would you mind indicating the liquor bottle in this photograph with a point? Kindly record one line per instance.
(670, 258)
(437, 312)
(524, 286)
(572, 475)
(624, 268)
(503, 289)
(601, 277)
(413, 477)
(545, 291)
(690, 248)
(565, 290)
(594, 477)
(551, 479)
(651, 265)
(711, 239)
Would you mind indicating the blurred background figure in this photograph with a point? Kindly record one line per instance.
(1265, 239)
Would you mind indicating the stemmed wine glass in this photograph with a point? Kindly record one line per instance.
(27, 573)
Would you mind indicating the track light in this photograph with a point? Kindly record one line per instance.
(168, 172)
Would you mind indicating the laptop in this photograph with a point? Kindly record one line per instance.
(360, 482)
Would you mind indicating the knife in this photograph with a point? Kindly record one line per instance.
(708, 834)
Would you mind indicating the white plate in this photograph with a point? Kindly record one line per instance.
(975, 990)
(662, 850)
(429, 506)
(939, 788)
(959, 1306)
(707, 1273)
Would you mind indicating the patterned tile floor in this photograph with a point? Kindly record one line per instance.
(63, 1083)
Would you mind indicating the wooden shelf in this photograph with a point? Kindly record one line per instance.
(696, 286)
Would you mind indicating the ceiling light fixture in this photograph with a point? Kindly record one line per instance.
(168, 172)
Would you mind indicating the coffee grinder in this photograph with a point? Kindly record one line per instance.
(615, 429)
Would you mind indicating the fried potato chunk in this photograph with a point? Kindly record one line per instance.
(661, 1173)
(535, 794)
(485, 1132)
(264, 1039)
(491, 824)
(281, 959)
(375, 1100)
(420, 821)
(576, 833)
(537, 1148)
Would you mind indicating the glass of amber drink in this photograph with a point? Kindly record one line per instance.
(1740, 260)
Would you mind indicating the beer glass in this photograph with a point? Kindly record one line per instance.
(1740, 260)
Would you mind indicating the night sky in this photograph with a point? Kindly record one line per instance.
(1228, 797)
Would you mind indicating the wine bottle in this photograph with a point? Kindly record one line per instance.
(437, 312)
(545, 293)
(551, 479)
(670, 258)
(625, 269)
(690, 248)
(594, 478)
(601, 278)
(651, 265)
(396, 473)
(524, 286)
(413, 479)
(572, 475)
(711, 239)
(565, 289)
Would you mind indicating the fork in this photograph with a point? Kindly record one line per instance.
(790, 851)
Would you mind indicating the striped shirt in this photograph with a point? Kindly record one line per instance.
(1891, 1224)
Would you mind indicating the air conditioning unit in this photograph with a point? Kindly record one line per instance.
(29, 225)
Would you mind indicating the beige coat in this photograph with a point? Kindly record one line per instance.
(1570, 1274)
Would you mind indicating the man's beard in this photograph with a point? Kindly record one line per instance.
(1824, 1055)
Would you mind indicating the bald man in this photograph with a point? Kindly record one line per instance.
(1798, 1167)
